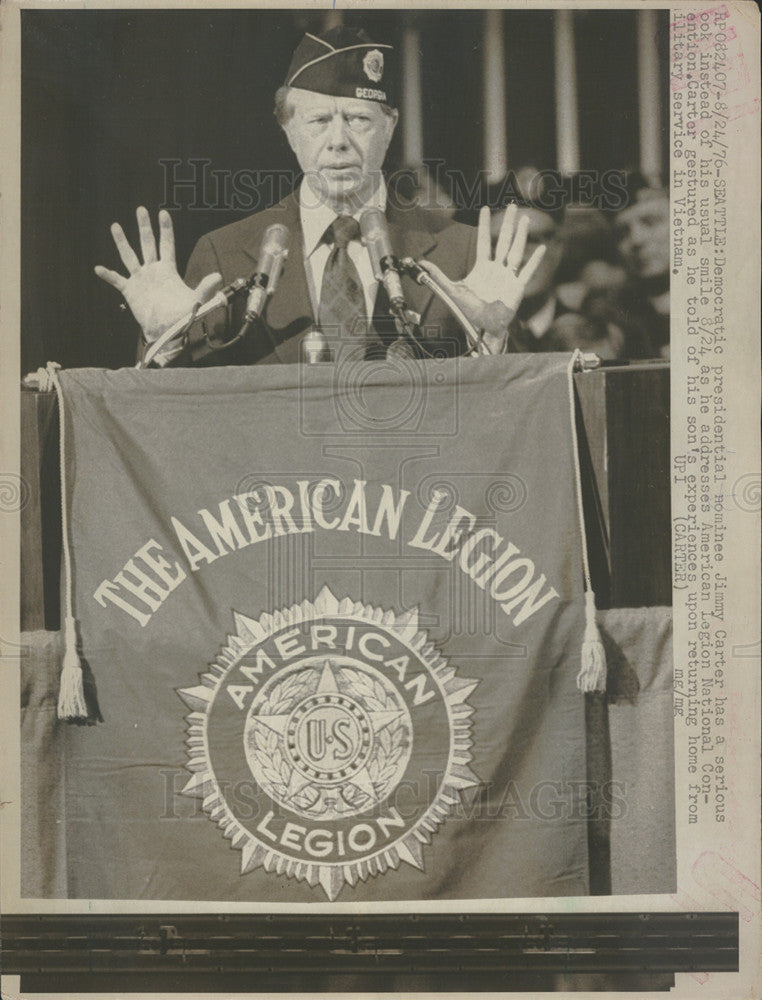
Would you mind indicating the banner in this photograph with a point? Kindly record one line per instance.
(330, 621)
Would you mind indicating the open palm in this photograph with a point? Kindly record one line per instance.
(492, 291)
(154, 291)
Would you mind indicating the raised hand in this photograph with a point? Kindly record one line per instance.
(491, 293)
(154, 291)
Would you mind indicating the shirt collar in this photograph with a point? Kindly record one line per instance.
(315, 219)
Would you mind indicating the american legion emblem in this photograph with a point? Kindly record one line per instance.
(352, 730)
(373, 65)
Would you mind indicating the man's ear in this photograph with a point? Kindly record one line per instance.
(287, 132)
(393, 119)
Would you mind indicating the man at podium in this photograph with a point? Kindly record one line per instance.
(337, 111)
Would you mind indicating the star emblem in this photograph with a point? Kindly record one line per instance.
(328, 703)
(328, 739)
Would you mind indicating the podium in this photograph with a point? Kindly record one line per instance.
(622, 739)
(625, 435)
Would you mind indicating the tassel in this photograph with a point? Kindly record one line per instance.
(592, 673)
(71, 693)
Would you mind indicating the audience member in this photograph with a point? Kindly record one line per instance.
(641, 230)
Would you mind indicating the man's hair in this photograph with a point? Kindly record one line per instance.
(635, 183)
(284, 109)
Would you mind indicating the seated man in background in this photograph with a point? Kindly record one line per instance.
(641, 231)
(592, 280)
(337, 114)
(600, 288)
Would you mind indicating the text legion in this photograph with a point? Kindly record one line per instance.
(493, 562)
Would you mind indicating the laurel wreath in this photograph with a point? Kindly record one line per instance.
(275, 769)
(391, 743)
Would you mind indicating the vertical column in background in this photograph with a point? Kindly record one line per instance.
(649, 102)
(495, 139)
(412, 105)
(332, 19)
(567, 110)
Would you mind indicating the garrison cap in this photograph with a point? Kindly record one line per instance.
(343, 62)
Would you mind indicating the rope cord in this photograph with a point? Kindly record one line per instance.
(592, 672)
(71, 696)
(576, 359)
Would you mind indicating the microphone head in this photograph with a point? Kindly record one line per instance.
(375, 236)
(276, 239)
(264, 281)
(373, 228)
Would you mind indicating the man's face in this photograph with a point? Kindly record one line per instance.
(340, 144)
(642, 235)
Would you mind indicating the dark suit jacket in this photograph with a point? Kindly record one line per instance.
(233, 250)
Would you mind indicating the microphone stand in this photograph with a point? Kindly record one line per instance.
(222, 298)
(422, 277)
(403, 321)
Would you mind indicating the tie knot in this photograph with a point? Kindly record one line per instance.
(343, 229)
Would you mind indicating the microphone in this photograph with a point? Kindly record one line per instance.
(272, 252)
(385, 266)
(222, 297)
(262, 284)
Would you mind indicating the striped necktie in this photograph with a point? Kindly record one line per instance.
(342, 301)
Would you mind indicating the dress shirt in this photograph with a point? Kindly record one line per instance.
(315, 219)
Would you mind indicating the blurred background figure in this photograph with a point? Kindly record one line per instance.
(590, 261)
(570, 302)
(641, 231)
(591, 278)
(603, 285)
(417, 186)
(541, 305)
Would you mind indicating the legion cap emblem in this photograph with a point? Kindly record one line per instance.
(373, 65)
(355, 732)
